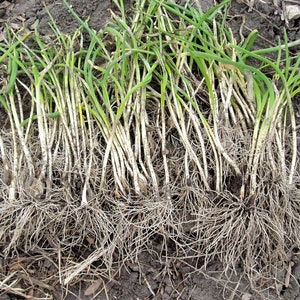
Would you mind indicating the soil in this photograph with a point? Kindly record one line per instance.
(149, 277)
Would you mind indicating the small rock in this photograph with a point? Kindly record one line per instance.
(247, 296)
(168, 290)
(292, 11)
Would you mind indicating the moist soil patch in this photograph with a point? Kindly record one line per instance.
(152, 276)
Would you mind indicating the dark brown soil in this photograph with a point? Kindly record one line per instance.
(150, 278)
